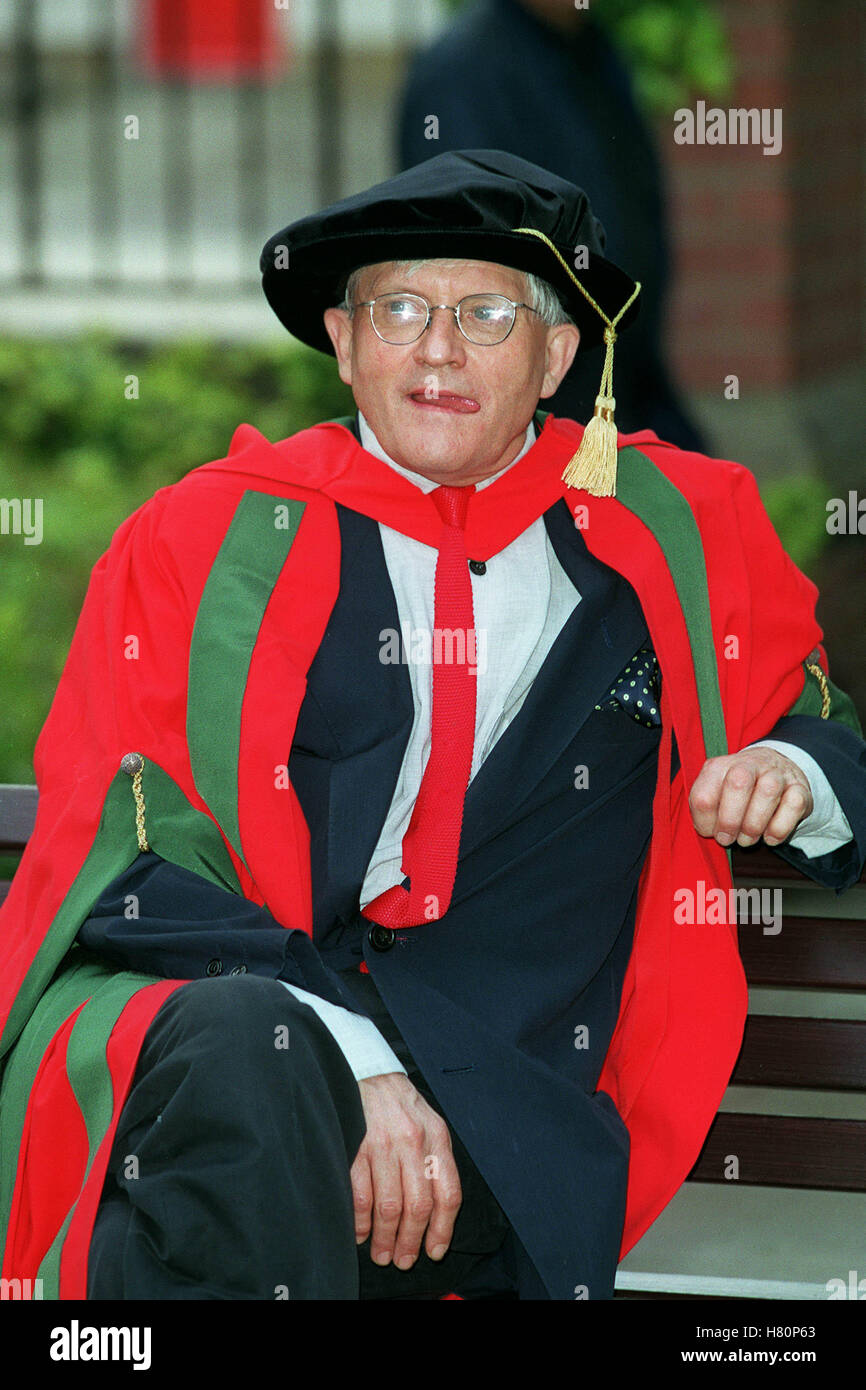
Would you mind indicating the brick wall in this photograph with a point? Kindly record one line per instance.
(770, 249)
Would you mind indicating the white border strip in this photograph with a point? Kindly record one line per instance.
(720, 1286)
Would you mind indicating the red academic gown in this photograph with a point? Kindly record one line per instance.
(730, 618)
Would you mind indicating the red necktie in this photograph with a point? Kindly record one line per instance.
(432, 839)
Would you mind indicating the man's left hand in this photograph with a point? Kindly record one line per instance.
(749, 794)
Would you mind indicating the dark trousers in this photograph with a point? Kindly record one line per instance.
(229, 1173)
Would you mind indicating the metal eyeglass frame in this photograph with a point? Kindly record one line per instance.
(454, 308)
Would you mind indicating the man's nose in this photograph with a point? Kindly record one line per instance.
(442, 339)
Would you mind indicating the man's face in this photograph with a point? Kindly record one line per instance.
(404, 391)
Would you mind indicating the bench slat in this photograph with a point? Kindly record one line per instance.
(812, 951)
(771, 867)
(760, 862)
(17, 817)
(818, 1053)
(785, 1151)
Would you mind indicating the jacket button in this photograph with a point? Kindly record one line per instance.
(238, 970)
(214, 967)
(478, 566)
(381, 938)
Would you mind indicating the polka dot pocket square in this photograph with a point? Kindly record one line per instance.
(637, 689)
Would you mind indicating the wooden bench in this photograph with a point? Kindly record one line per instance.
(795, 1050)
(17, 816)
(792, 1215)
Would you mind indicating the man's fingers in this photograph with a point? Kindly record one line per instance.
(738, 790)
(748, 803)
(387, 1204)
(448, 1196)
(418, 1203)
(432, 1196)
(407, 1182)
(362, 1196)
(749, 794)
(704, 795)
(793, 806)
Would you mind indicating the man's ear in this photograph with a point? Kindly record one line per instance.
(339, 328)
(562, 344)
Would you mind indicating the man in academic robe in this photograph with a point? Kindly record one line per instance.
(344, 957)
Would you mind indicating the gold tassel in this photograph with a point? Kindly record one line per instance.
(593, 467)
(140, 831)
(133, 765)
(823, 684)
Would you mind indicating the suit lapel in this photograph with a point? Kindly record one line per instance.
(603, 632)
(365, 737)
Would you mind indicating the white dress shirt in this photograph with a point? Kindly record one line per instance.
(520, 605)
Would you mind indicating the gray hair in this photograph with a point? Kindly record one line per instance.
(541, 295)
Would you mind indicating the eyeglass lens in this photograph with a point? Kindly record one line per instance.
(483, 318)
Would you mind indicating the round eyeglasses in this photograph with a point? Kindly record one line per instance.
(484, 319)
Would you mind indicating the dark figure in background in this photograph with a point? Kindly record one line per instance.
(540, 79)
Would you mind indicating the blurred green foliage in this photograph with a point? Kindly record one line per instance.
(673, 48)
(797, 507)
(69, 435)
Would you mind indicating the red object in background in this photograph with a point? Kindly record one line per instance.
(212, 40)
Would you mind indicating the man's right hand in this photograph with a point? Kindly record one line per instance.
(404, 1178)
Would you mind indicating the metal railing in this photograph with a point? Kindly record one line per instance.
(121, 168)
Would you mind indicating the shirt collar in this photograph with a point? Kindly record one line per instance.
(372, 445)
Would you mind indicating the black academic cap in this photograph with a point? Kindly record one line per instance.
(484, 205)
